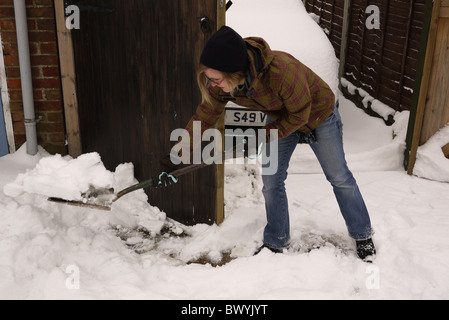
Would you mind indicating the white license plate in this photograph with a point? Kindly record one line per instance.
(244, 118)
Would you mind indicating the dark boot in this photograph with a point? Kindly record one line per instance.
(365, 249)
(269, 248)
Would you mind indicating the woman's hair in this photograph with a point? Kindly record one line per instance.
(232, 79)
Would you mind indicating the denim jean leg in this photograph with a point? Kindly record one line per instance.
(277, 230)
(329, 151)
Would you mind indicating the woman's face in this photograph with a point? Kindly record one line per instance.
(216, 79)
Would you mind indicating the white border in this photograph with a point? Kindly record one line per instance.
(5, 101)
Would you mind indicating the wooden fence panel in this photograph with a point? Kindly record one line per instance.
(380, 61)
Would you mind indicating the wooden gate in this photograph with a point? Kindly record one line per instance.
(135, 69)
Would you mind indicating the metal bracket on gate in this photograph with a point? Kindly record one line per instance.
(205, 24)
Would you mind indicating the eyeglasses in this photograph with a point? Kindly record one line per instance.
(214, 81)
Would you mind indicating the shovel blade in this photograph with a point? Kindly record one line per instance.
(81, 204)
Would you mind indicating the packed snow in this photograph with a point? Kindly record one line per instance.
(55, 251)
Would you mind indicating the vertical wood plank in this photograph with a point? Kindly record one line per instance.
(436, 112)
(344, 38)
(404, 54)
(424, 86)
(68, 81)
(220, 214)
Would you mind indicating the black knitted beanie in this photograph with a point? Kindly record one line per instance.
(225, 51)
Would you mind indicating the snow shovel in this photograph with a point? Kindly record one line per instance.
(102, 198)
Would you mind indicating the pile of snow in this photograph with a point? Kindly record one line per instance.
(72, 177)
(286, 26)
(377, 106)
(430, 160)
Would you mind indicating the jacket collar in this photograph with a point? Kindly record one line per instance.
(260, 57)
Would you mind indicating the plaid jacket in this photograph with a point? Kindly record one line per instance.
(281, 87)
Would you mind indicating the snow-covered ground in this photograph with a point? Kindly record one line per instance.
(54, 251)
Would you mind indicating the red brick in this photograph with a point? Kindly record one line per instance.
(6, 12)
(38, 94)
(7, 3)
(18, 127)
(46, 24)
(50, 127)
(55, 117)
(34, 48)
(48, 105)
(42, 36)
(16, 106)
(46, 83)
(40, 12)
(19, 139)
(11, 60)
(31, 24)
(42, 138)
(44, 60)
(15, 95)
(48, 48)
(14, 83)
(13, 72)
(7, 24)
(57, 137)
(44, 2)
(17, 116)
(50, 71)
(10, 48)
(36, 72)
(9, 36)
(53, 95)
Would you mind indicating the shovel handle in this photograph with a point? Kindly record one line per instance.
(149, 182)
(177, 173)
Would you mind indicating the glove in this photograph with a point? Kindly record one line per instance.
(306, 138)
(164, 178)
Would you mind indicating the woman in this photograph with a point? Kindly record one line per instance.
(300, 105)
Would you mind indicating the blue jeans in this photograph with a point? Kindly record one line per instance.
(329, 151)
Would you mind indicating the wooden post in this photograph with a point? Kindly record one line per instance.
(344, 38)
(67, 66)
(221, 21)
(424, 85)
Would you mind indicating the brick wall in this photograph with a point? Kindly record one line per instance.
(45, 70)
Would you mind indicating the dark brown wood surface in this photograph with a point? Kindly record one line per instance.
(380, 61)
(135, 64)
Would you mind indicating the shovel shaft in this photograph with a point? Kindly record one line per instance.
(149, 182)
